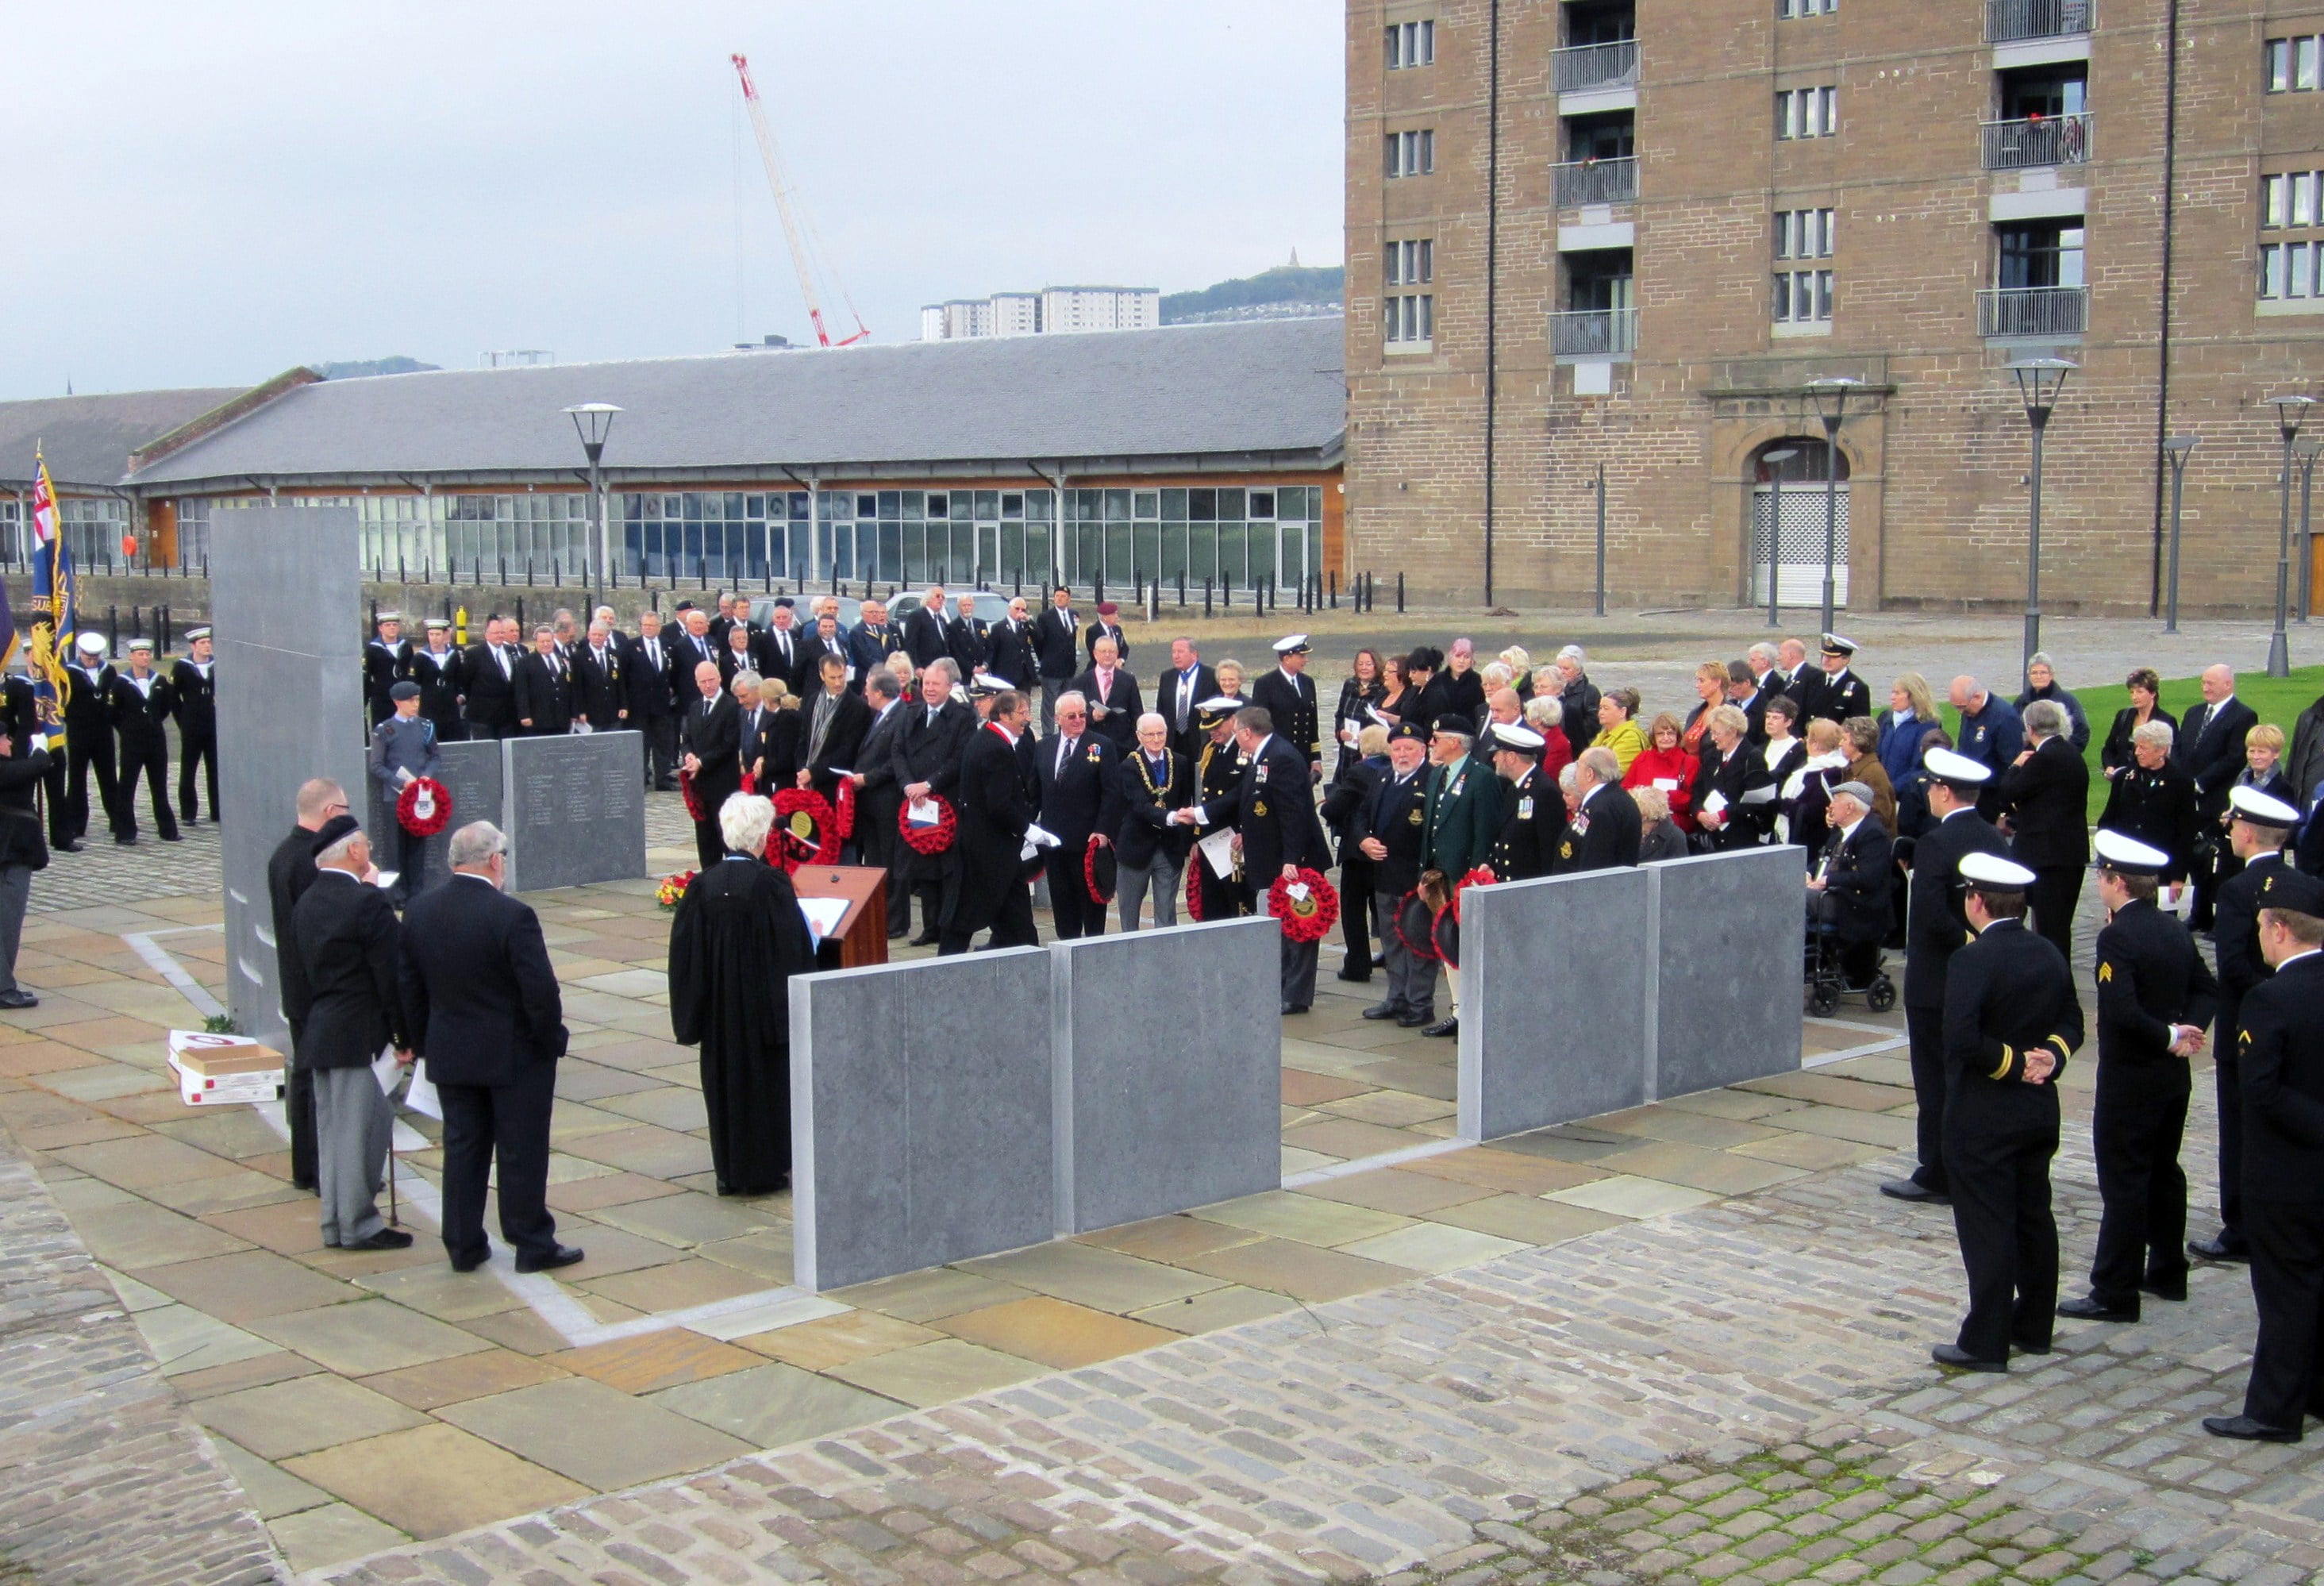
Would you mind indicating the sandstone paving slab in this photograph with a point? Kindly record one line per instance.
(272, 1492)
(436, 1290)
(1389, 1109)
(691, 1281)
(1054, 1332)
(769, 1254)
(315, 1538)
(610, 1251)
(435, 1479)
(693, 1220)
(1528, 1219)
(103, 1079)
(459, 1378)
(602, 1188)
(1296, 1161)
(1742, 1105)
(1418, 1076)
(298, 1416)
(136, 1234)
(1090, 1275)
(184, 1340)
(221, 1191)
(1303, 1088)
(1228, 1306)
(1827, 1090)
(365, 1336)
(1814, 1152)
(825, 1341)
(930, 1295)
(1515, 1171)
(1349, 1138)
(627, 1440)
(673, 1107)
(86, 1129)
(1846, 1123)
(1302, 1271)
(655, 1361)
(248, 1286)
(1659, 1121)
(772, 1405)
(1389, 1189)
(76, 1193)
(1625, 1196)
(233, 1132)
(278, 1365)
(1432, 1248)
(579, 1080)
(289, 1228)
(937, 1373)
(658, 1153)
(1290, 1216)
(1169, 1241)
(1695, 1167)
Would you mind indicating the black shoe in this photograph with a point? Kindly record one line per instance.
(1443, 1028)
(897, 933)
(386, 1239)
(924, 939)
(561, 1256)
(306, 1186)
(2248, 1430)
(2175, 1292)
(2218, 1248)
(1914, 1190)
(2029, 1348)
(1379, 960)
(1360, 977)
(66, 846)
(128, 841)
(18, 998)
(1291, 1007)
(1961, 1359)
(2091, 1308)
(1415, 1020)
(173, 837)
(1382, 1010)
(470, 1263)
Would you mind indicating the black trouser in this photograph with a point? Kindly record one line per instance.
(2000, 1184)
(2287, 1271)
(52, 785)
(1076, 912)
(2055, 893)
(196, 746)
(882, 847)
(1356, 910)
(149, 759)
(87, 750)
(2141, 1116)
(1298, 976)
(510, 1122)
(1925, 1028)
(299, 1111)
(2212, 864)
(2229, 1075)
(661, 750)
(1012, 924)
(709, 847)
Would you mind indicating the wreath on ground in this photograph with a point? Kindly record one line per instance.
(806, 830)
(1308, 917)
(424, 807)
(930, 840)
(672, 890)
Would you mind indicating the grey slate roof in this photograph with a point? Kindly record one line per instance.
(87, 439)
(1208, 389)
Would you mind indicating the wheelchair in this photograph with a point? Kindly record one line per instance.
(1828, 980)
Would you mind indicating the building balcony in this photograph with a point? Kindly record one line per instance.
(2049, 139)
(2008, 22)
(1594, 333)
(2032, 311)
(1584, 66)
(1584, 182)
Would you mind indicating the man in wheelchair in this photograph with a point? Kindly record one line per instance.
(1847, 903)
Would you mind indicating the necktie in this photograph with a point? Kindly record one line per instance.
(1064, 753)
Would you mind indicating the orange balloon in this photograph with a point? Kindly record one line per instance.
(129, 545)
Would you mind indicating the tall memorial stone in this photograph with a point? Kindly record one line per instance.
(471, 773)
(574, 807)
(288, 631)
(1730, 929)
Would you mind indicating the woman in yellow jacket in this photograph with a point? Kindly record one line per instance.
(1618, 728)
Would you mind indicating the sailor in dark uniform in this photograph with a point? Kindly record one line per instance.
(142, 704)
(1289, 694)
(2011, 1022)
(2257, 830)
(1218, 771)
(1273, 811)
(2156, 997)
(438, 669)
(193, 694)
(88, 740)
(387, 662)
(2281, 1043)
(1527, 846)
(1393, 831)
(1835, 694)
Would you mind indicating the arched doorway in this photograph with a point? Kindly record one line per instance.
(1799, 540)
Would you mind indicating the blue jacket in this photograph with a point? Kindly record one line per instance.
(1900, 746)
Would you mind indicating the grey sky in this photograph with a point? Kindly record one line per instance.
(207, 194)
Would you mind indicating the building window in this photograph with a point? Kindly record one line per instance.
(2292, 64)
(1411, 320)
(1408, 318)
(1787, 9)
(1410, 263)
(1411, 154)
(1802, 296)
(2292, 198)
(2288, 270)
(92, 529)
(1804, 234)
(1807, 113)
(193, 531)
(1411, 43)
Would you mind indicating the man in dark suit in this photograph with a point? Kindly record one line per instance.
(1289, 694)
(994, 813)
(2011, 1022)
(486, 1017)
(347, 946)
(543, 688)
(23, 763)
(2211, 752)
(488, 672)
(386, 661)
(1011, 640)
(601, 695)
(2156, 999)
(689, 647)
(289, 871)
(1851, 888)
(1527, 847)
(142, 704)
(970, 639)
(936, 732)
(1057, 649)
(1935, 927)
(879, 791)
(193, 687)
(652, 703)
(1107, 626)
(2282, 1042)
(1179, 693)
(872, 640)
(782, 650)
(2045, 792)
(1463, 815)
(2256, 835)
(1834, 693)
(1604, 830)
(833, 719)
(710, 746)
(927, 631)
(1080, 803)
(1392, 833)
(1152, 780)
(1273, 810)
(1111, 695)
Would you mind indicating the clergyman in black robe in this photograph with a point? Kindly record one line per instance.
(737, 940)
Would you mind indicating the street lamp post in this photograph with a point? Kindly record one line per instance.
(2290, 412)
(2307, 574)
(1829, 395)
(593, 422)
(1776, 461)
(2039, 382)
(2176, 449)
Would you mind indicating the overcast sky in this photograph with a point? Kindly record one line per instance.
(207, 194)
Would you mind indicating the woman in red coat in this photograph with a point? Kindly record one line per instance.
(1665, 764)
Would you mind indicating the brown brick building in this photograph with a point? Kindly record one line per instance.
(1697, 207)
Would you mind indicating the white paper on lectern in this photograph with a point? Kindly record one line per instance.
(1218, 851)
(822, 915)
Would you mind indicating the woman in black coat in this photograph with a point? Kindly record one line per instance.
(1731, 769)
(2154, 801)
(2115, 755)
(1365, 690)
(1362, 767)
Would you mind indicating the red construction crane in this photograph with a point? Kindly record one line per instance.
(805, 254)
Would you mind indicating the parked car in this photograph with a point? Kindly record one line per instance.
(850, 611)
(992, 605)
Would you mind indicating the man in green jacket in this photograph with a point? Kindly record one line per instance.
(1463, 814)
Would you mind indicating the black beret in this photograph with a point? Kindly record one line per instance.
(405, 690)
(333, 829)
(1452, 723)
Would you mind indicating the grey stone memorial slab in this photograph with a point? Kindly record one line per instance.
(288, 630)
(911, 1148)
(574, 807)
(1533, 954)
(471, 772)
(1168, 1052)
(1730, 929)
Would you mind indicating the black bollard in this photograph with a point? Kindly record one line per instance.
(1399, 594)
(1207, 597)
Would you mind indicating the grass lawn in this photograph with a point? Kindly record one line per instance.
(2278, 700)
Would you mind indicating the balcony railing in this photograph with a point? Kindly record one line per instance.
(2047, 140)
(1594, 333)
(1597, 181)
(1598, 66)
(2033, 310)
(2009, 20)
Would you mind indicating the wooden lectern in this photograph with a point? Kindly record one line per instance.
(862, 939)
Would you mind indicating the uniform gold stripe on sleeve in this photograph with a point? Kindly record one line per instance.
(2008, 1056)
